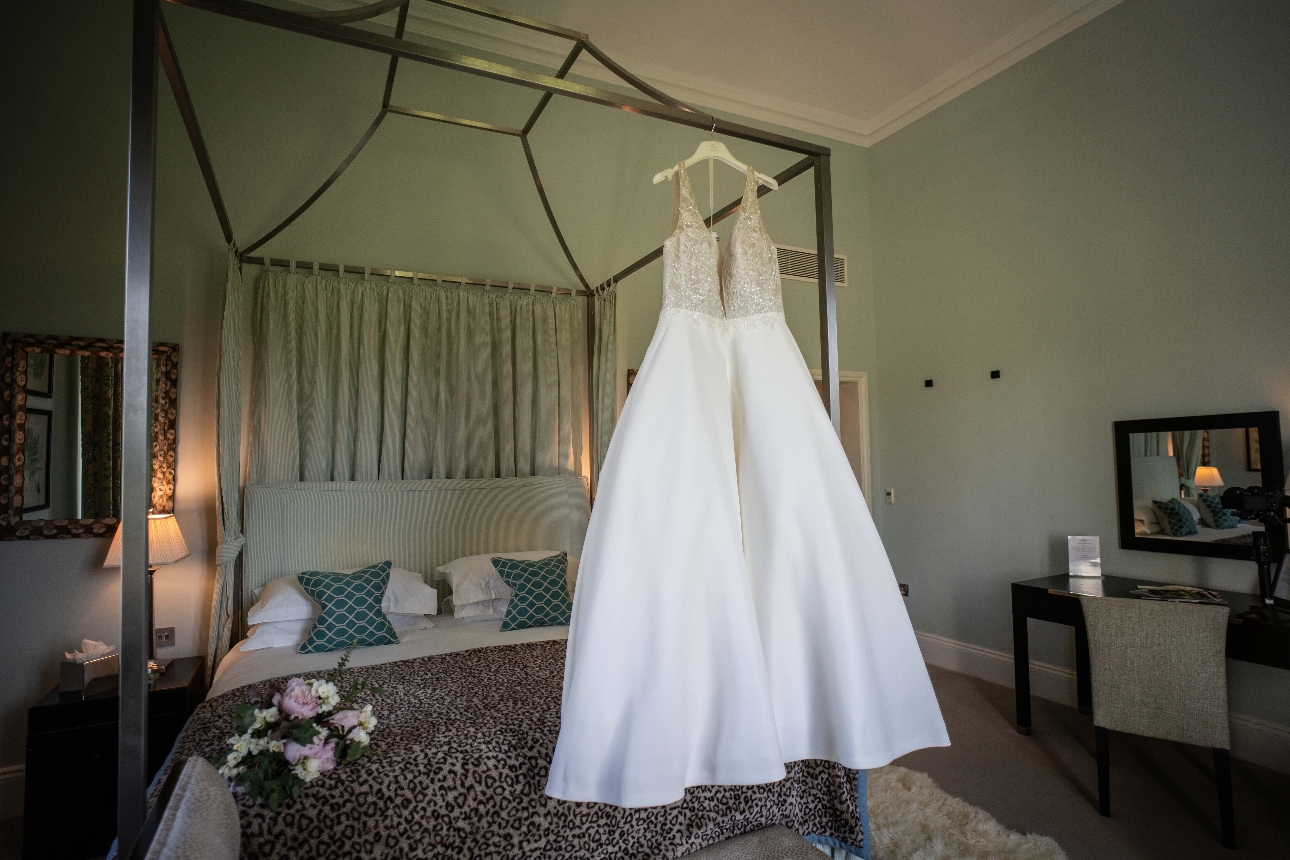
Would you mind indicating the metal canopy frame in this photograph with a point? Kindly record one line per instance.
(152, 43)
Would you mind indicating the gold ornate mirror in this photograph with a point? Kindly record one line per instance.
(60, 435)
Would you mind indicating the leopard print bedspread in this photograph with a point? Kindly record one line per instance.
(458, 766)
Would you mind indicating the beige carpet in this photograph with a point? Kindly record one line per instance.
(912, 819)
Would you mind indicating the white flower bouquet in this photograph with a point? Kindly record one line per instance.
(288, 736)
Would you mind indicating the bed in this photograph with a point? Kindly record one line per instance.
(470, 714)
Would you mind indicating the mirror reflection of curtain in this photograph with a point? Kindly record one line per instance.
(361, 380)
(1149, 444)
(100, 436)
(1187, 450)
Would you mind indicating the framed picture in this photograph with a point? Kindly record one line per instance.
(40, 374)
(1253, 457)
(35, 495)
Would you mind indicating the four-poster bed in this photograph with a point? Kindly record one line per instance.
(152, 42)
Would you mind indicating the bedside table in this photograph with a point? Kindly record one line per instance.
(70, 805)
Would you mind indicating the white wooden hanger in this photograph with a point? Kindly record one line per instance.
(715, 150)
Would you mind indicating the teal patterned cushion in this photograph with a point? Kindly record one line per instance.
(1216, 515)
(1176, 519)
(351, 609)
(541, 587)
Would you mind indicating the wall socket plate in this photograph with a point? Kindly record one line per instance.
(904, 589)
(164, 637)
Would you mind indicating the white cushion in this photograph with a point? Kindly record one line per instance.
(275, 634)
(1145, 513)
(283, 599)
(408, 594)
(1194, 510)
(481, 610)
(474, 578)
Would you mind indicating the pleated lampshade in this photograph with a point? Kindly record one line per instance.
(165, 542)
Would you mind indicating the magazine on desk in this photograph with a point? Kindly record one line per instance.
(1179, 594)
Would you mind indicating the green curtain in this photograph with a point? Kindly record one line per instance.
(100, 436)
(359, 380)
(1148, 444)
(1187, 445)
(228, 461)
(604, 373)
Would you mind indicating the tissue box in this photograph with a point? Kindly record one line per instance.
(74, 677)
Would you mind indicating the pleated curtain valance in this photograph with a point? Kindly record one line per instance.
(360, 380)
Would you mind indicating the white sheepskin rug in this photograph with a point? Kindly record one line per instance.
(912, 819)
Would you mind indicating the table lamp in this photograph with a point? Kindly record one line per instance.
(165, 546)
(1207, 478)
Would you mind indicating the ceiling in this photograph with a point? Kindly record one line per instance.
(850, 70)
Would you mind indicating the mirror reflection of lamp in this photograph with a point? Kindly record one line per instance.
(165, 546)
(1207, 478)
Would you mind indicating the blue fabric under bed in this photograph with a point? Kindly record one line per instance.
(865, 849)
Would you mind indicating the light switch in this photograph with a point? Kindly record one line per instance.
(890, 495)
(165, 637)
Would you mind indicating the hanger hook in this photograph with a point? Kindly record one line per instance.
(712, 132)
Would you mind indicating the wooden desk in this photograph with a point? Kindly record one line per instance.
(1264, 640)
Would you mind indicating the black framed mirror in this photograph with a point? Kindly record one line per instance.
(1165, 465)
(60, 435)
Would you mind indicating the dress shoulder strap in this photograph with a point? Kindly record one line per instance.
(750, 206)
(685, 209)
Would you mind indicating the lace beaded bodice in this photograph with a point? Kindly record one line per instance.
(690, 282)
(750, 273)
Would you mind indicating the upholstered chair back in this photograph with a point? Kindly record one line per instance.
(1158, 669)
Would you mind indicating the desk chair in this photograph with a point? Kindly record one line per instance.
(1158, 669)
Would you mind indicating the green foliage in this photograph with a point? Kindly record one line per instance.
(267, 775)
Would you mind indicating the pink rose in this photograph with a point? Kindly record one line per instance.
(323, 753)
(344, 719)
(326, 756)
(294, 752)
(297, 701)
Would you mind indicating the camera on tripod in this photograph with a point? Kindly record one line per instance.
(1251, 502)
(1267, 505)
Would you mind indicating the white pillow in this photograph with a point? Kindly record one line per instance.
(283, 599)
(473, 578)
(408, 594)
(1193, 510)
(1145, 513)
(481, 610)
(275, 634)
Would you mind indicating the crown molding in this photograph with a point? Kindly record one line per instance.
(1042, 30)
(526, 46)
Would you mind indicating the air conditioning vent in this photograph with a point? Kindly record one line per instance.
(799, 264)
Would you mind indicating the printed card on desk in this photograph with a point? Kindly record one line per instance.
(1084, 555)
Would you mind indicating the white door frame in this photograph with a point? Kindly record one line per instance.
(861, 378)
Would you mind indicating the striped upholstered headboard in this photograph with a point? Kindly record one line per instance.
(418, 525)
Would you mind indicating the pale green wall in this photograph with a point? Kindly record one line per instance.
(279, 111)
(1105, 222)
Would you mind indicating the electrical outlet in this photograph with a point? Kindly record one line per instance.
(889, 495)
(904, 589)
(164, 637)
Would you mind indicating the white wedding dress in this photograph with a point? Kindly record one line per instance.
(847, 678)
(665, 682)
